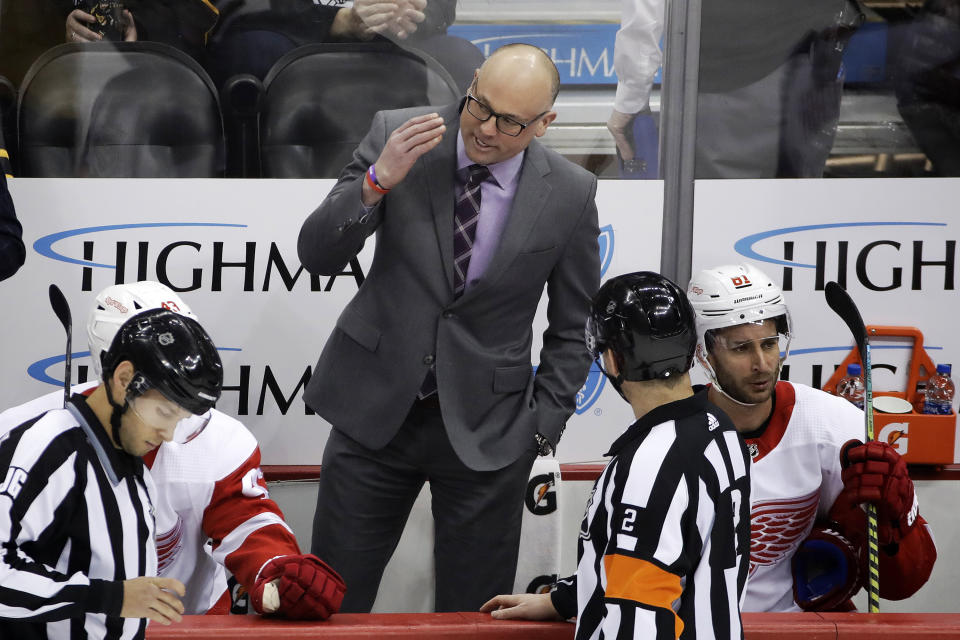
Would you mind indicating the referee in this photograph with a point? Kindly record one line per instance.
(664, 545)
(76, 516)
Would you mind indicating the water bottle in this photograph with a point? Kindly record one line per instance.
(938, 398)
(851, 386)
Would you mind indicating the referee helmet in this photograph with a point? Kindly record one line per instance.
(170, 353)
(647, 323)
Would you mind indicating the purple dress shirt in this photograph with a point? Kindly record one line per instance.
(496, 200)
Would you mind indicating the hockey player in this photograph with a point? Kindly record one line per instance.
(213, 507)
(664, 543)
(811, 472)
(76, 505)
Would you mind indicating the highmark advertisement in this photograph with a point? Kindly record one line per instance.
(229, 248)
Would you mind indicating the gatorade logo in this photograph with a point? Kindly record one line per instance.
(895, 434)
(541, 494)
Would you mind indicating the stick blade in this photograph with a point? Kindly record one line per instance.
(60, 307)
(842, 304)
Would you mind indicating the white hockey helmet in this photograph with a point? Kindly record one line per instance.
(118, 303)
(731, 295)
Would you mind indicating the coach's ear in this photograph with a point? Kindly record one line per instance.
(544, 122)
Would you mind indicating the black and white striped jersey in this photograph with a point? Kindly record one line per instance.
(665, 541)
(76, 520)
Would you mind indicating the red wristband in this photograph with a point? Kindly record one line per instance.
(372, 181)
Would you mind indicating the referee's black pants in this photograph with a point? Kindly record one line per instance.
(366, 495)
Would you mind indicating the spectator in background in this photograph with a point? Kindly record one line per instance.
(769, 84)
(927, 82)
(183, 24)
(636, 59)
(250, 40)
(12, 251)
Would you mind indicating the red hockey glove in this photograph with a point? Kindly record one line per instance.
(875, 472)
(308, 588)
(826, 571)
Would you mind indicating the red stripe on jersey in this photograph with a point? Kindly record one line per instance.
(773, 434)
(231, 505)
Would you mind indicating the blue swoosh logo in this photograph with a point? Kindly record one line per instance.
(744, 246)
(800, 352)
(606, 241)
(44, 245)
(524, 36)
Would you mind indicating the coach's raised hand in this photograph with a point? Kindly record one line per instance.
(409, 141)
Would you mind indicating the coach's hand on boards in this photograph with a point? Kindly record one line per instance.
(405, 145)
(153, 598)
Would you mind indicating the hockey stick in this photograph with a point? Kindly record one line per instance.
(843, 305)
(62, 309)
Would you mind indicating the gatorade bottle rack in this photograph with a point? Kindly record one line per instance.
(919, 437)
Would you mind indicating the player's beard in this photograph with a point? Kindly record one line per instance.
(741, 391)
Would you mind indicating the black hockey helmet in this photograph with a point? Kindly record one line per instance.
(170, 353)
(648, 323)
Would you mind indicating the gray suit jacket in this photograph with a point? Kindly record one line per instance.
(405, 317)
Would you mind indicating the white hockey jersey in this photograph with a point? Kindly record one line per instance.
(213, 507)
(795, 478)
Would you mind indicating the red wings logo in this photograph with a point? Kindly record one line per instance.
(169, 545)
(778, 526)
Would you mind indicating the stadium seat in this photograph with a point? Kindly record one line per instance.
(320, 99)
(128, 109)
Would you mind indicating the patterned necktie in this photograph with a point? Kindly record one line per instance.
(466, 214)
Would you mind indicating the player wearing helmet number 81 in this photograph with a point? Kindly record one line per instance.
(811, 472)
(213, 507)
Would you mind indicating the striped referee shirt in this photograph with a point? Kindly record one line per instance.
(665, 542)
(76, 520)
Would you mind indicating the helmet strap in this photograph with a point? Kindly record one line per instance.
(705, 363)
(730, 397)
(118, 410)
(615, 380)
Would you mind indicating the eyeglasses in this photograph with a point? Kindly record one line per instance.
(505, 124)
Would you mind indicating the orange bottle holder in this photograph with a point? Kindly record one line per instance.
(920, 438)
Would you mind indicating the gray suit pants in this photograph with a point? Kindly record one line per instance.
(366, 495)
